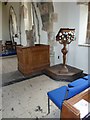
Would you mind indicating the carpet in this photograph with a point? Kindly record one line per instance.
(28, 99)
(8, 53)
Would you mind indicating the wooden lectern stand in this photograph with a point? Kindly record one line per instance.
(69, 111)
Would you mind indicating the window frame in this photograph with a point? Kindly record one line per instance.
(88, 26)
(83, 23)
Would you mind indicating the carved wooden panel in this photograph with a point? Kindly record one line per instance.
(33, 58)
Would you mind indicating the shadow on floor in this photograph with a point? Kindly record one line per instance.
(16, 76)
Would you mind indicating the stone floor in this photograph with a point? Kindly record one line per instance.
(28, 99)
(9, 64)
(8, 68)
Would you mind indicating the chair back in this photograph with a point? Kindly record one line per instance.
(9, 45)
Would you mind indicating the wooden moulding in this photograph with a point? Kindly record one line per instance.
(33, 59)
(69, 111)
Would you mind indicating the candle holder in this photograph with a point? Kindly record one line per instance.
(65, 36)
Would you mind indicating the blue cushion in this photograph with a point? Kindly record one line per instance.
(77, 82)
(87, 77)
(13, 52)
(76, 90)
(58, 96)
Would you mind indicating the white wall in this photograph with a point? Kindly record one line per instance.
(6, 36)
(5, 19)
(23, 34)
(78, 55)
(43, 34)
(5, 23)
(88, 60)
(57, 25)
(68, 16)
(0, 21)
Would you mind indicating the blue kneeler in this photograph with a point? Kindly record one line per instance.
(72, 91)
(77, 82)
(80, 81)
(87, 77)
(57, 96)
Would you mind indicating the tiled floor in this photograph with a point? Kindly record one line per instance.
(28, 99)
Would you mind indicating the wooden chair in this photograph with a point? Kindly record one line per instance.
(9, 45)
(0, 46)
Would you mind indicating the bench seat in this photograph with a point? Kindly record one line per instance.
(57, 96)
(80, 81)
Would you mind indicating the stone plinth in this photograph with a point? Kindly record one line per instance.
(72, 74)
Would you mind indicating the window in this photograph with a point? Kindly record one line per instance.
(88, 25)
(83, 24)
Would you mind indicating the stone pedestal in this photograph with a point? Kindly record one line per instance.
(72, 74)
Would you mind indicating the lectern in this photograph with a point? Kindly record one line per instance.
(65, 36)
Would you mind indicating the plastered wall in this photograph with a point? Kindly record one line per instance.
(0, 21)
(68, 16)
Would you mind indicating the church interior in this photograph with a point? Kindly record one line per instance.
(44, 59)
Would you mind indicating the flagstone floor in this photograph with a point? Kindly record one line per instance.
(28, 99)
